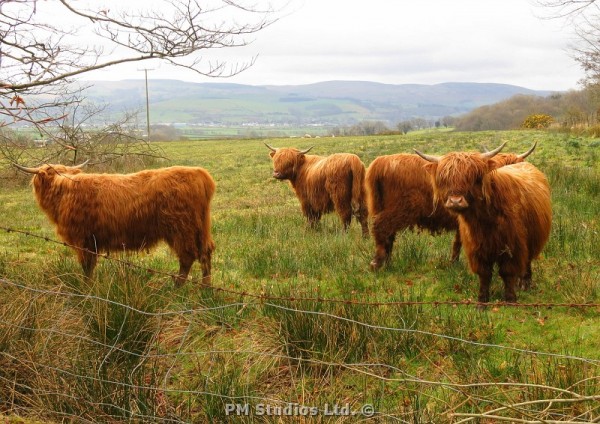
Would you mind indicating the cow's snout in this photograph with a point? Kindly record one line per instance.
(277, 175)
(456, 203)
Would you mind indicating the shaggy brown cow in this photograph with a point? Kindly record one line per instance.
(504, 214)
(323, 184)
(400, 196)
(115, 212)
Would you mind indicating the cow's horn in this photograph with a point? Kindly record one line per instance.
(429, 158)
(25, 169)
(303, 152)
(528, 152)
(81, 165)
(494, 152)
(271, 148)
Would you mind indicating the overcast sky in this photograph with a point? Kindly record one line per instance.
(401, 42)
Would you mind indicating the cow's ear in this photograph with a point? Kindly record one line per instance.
(271, 153)
(430, 167)
(492, 164)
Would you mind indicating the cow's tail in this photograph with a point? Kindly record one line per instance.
(359, 196)
(204, 240)
(358, 201)
(374, 190)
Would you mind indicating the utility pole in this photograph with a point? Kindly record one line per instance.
(147, 105)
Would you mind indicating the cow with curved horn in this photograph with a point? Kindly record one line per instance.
(510, 158)
(324, 183)
(96, 213)
(504, 213)
(400, 196)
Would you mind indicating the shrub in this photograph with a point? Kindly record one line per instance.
(537, 121)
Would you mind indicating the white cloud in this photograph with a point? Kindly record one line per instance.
(402, 41)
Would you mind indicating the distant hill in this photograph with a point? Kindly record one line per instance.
(331, 102)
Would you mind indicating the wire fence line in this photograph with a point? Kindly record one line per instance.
(239, 305)
(233, 303)
(204, 309)
(370, 369)
(267, 297)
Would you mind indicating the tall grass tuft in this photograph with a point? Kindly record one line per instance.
(90, 345)
(322, 332)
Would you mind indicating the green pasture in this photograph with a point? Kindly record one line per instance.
(265, 108)
(127, 346)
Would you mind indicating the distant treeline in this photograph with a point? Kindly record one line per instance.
(570, 109)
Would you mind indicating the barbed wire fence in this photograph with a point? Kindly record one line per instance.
(144, 379)
(264, 296)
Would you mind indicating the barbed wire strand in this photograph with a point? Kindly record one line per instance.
(332, 316)
(263, 296)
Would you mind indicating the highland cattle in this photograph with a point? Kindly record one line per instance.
(400, 196)
(96, 213)
(504, 214)
(324, 184)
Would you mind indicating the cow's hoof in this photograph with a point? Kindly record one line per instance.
(375, 265)
(179, 282)
(525, 284)
(206, 281)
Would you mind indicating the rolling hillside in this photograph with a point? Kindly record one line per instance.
(332, 102)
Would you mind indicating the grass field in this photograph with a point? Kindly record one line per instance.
(127, 346)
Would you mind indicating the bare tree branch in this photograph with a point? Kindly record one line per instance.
(584, 16)
(38, 58)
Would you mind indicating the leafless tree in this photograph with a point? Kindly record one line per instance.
(568, 8)
(584, 17)
(46, 44)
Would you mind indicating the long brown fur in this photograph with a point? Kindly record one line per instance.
(324, 184)
(116, 212)
(504, 217)
(400, 196)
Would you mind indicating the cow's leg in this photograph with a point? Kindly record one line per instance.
(510, 285)
(341, 204)
(346, 217)
(362, 216)
(185, 264)
(456, 246)
(511, 269)
(88, 261)
(311, 215)
(526, 279)
(313, 219)
(206, 248)
(184, 246)
(205, 262)
(384, 242)
(485, 278)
